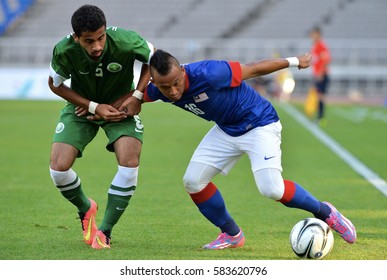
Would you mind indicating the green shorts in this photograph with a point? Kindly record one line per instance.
(79, 131)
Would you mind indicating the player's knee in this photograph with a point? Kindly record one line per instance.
(130, 163)
(270, 183)
(193, 183)
(59, 163)
(197, 176)
(59, 166)
(270, 192)
(62, 156)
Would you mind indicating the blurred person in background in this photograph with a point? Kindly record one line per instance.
(321, 59)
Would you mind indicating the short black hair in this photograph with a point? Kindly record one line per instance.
(162, 62)
(316, 29)
(87, 18)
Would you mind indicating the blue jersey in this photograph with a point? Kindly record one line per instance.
(216, 92)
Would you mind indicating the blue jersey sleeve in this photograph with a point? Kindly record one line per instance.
(223, 74)
(152, 93)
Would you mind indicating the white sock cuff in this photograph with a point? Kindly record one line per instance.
(126, 177)
(63, 178)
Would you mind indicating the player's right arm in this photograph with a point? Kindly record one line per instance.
(105, 111)
(61, 69)
(68, 94)
(270, 65)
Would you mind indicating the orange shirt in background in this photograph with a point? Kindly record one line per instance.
(321, 57)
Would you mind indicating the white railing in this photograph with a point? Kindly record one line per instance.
(356, 63)
(37, 51)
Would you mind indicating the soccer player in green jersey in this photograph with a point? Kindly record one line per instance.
(100, 62)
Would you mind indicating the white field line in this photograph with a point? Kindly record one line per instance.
(373, 178)
(358, 115)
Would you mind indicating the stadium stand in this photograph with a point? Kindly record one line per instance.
(227, 29)
(11, 11)
(358, 19)
(278, 22)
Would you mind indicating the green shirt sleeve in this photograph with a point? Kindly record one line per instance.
(59, 64)
(142, 49)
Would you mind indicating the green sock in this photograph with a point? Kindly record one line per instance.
(76, 197)
(115, 207)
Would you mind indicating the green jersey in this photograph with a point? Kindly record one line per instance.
(107, 79)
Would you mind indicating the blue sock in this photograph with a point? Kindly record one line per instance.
(296, 196)
(230, 227)
(211, 204)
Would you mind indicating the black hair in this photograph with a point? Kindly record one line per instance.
(162, 62)
(87, 18)
(316, 29)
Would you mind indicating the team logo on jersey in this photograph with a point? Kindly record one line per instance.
(114, 67)
(59, 128)
(201, 97)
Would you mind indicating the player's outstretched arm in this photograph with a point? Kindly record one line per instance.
(270, 65)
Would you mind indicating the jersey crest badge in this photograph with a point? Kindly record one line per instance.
(201, 97)
(114, 67)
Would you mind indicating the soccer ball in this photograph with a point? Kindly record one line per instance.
(311, 238)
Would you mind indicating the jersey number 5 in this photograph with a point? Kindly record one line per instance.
(99, 71)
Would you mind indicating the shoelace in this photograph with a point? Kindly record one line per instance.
(219, 239)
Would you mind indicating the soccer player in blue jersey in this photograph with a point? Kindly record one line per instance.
(246, 123)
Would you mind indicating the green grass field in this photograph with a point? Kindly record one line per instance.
(162, 223)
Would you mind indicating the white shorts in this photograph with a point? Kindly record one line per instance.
(222, 151)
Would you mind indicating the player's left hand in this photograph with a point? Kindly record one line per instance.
(108, 113)
(304, 60)
(79, 111)
(131, 106)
